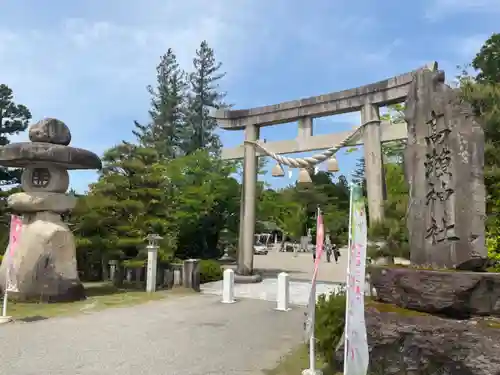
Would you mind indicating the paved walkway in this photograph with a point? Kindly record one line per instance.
(193, 335)
(267, 290)
(301, 267)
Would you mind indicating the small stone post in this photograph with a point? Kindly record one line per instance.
(177, 277)
(112, 269)
(152, 262)
(283, 295)
(191, 274)
(228, 286)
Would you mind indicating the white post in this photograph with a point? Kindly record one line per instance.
(228, 286)
(5, 318)
(177, 277)
(283, 296)
(4, 307)
(151, 271)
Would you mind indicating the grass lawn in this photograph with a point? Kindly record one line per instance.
(99, 296)
(296, 361)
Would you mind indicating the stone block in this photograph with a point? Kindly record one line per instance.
(444, 162)
(45, 261)
(25, 202)
(456, 294)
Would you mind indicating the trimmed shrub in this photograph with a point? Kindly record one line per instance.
(210, 270)
(134, 263)
(329, 324)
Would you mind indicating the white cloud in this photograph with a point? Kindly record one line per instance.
(87, 70)
(437, 9)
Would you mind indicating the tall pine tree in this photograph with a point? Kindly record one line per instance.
(14, 118)
(204, 94)
(167, 109)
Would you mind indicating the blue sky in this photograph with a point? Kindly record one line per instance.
(88, 62)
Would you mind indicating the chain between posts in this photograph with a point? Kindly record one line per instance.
(311, 161)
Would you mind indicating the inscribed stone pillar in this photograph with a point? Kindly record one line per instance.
(373, 162)
(245, 260)
(444, 164)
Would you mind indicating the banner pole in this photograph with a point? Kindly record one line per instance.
(349, 244)
(312, 339)
(7, 281)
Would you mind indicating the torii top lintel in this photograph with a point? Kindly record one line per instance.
(389, 91)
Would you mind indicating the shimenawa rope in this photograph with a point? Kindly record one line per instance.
(311, 161)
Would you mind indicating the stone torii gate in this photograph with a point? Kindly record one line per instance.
(371, 133)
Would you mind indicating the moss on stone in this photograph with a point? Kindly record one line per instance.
(429, 268)
(386, 307)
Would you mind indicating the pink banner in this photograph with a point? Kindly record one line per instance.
(15, 231)
(14, 236)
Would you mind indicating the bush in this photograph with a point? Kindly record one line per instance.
(329, 325)
(134, 263)
(210, 270)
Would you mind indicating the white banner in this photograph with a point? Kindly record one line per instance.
(356, 355)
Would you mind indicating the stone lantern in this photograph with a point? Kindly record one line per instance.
(44, 260)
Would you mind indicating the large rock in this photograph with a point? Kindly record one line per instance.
(419, 344)
(44, 261)
(456, 294)
(50, 130)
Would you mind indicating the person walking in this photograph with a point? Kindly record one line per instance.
(328, 248)
(328, 253)
(336, 253)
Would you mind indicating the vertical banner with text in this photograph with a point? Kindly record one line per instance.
(15, 232)
(356, 346)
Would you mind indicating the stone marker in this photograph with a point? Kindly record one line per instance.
(228, 286)
(45, 259)
(113, 268)
(151, 268)
(191, 274)
(177, 277)
(283, 295)
(444, 163)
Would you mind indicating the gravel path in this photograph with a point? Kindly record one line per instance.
(179, 336)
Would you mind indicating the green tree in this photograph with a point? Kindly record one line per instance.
(127, 203)
(483, 92)
(393, 151)
(294, 208)
(167, 111)
(14, 119)
(391, 234)
(487, 61)
(204, 94)
(205, 200)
